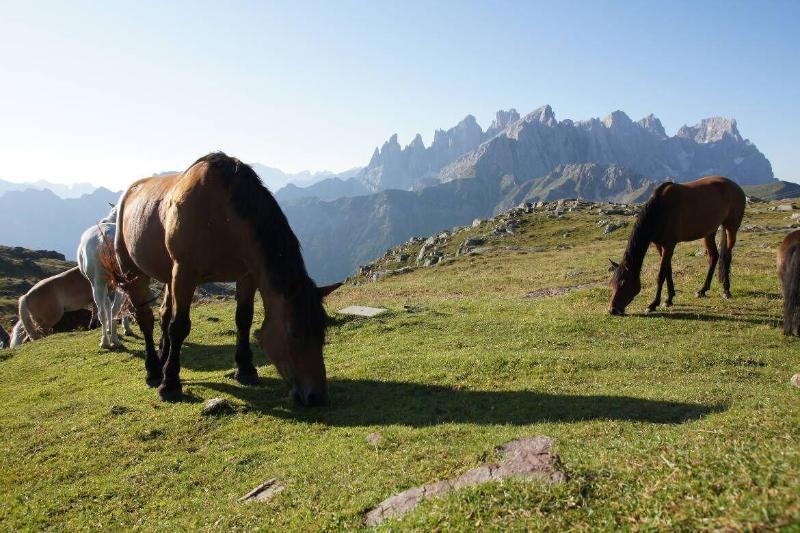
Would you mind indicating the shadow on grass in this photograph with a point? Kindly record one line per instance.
(357, 402)
(759, 320)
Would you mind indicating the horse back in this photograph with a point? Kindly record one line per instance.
(697, 208)
(50, 297)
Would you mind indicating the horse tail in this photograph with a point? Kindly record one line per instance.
(5, 340)
(791, 292)
(26, 319)
(108, 258)
(723, 253)
(18, 335)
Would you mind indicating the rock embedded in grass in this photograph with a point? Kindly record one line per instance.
(218, 407)
(263, 492)
(525, 458)
(795, 380)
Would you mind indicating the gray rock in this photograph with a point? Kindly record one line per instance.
(374, 438)
(785, 207)
(529, 458)
(217, 407)
(613, 226)
(263, 492)
(795, 380)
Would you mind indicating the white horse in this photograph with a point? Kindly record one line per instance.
(96, 241)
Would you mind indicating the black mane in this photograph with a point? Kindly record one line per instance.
(643, 233)
(283, 259)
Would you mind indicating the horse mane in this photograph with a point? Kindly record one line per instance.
(283, 260)
(643, 232)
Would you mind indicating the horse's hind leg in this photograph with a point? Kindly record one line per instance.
(670, 286)
(166, 318)
(139, 293)
(181, 289)
(100, 295)
(726, 255)
(713, 257)
(246, 373)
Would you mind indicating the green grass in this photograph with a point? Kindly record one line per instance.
(683, 419)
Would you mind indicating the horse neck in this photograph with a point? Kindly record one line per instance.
(637, 248)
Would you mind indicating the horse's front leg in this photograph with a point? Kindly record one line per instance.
(670, 286)
(246, 372)
(663, 271)
(181, 290)
(101, 300)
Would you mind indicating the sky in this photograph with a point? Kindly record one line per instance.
(111, 91)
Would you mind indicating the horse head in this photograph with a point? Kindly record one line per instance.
(625, 285)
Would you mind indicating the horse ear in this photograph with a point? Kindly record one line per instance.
(613, 266)
(327, 289)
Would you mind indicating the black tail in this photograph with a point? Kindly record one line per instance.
(791, 292)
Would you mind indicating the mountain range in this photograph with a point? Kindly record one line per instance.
(469, 173)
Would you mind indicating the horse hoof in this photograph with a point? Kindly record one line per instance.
(171, 394)
(651, 308)
(153, 381)
(700, 294)
(668, 304)
(726, 295)
(246, 378)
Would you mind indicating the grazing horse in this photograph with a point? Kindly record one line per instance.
(44, 305)
(679, 212)
(789, 273)
(217, 222)
(96, 243)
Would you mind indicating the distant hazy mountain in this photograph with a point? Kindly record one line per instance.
(42, 220)
(275, 178)
(776, 190)
(73, 190)
(338, 236)
(327, 189)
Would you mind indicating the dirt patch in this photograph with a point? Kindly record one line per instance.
(526, 458)
(551, 292)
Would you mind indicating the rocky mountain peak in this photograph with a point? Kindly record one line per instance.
(652, 124)
(711, 130)
(417, 143)
(502, 120)
(543, 115)
(618, 119)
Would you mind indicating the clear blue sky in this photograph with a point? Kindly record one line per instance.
(109, 91)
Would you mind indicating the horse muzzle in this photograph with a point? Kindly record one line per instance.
(308, 396)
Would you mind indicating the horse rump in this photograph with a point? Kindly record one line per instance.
(790, 282)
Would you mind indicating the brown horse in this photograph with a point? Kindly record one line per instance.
(217, 222)
(44, 305)
(789, 273)
(679, 212)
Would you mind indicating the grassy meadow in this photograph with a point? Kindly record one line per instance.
(681, 419)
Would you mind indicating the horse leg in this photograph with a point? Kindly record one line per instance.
(713, 256)
(666, 259)
(670, 286)
(181, 289)
(100, 295)
(166, 318)
(115, 302)
(139, 293)
(246, 373)
(726, 255)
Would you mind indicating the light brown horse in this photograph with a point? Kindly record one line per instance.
(217, 222)
(679, 212)
(789, 273)
(41, 308)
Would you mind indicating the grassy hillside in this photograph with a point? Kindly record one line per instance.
(20, 269)
(682, 419)
(776, 190)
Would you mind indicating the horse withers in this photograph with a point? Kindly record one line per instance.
(789, 274)
(217, 222)
(680, 212)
